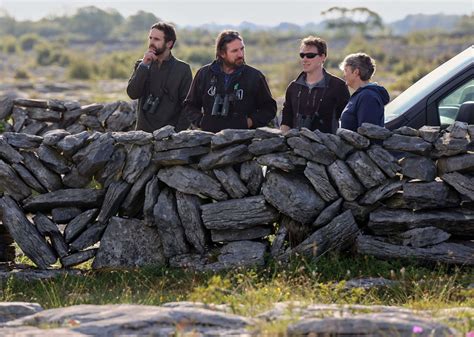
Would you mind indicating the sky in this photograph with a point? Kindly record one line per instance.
(263, 12)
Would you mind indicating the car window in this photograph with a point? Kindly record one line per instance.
(428, 84)
(448, 106)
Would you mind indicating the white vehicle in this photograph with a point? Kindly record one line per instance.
(443, 96)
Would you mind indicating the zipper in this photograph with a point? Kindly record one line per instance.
(309, 96)
(298, 100)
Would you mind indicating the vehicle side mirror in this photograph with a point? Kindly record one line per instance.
(466, 112)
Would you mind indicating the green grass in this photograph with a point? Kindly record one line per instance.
(250, 292)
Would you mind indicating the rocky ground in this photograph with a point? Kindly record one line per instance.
(199, 319)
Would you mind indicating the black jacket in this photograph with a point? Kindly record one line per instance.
(247, 83)
(170, 82)
(323, 104)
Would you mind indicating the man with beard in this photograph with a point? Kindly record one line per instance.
(160, 82)
(229, 94)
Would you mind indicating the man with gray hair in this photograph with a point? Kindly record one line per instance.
(366, 104)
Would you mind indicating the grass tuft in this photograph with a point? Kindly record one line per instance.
(250, 292)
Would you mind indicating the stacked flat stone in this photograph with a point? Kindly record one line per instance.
(431, 217)
(208, 201)
(36, 117)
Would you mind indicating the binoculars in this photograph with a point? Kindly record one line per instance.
(221, 105)
(304, 121)
(151, 104)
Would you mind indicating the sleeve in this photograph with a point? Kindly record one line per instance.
(367, 110)
(193, 100)
(287, 111)
(183, 122)
(342, 101)
(265, 104)
(136, 83)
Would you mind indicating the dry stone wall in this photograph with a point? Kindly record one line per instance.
(37, 117)
(209, 201)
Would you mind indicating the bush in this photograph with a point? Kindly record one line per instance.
(47, 54)
(8, 44)
(402, 67)
(28, 41)
(21, 74)
(197, 55)
(117, 65)
(116, 71)
(358, 44)
(80, 69)
(406, 80)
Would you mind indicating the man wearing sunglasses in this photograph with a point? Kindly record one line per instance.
(229, 94)
(316, 98)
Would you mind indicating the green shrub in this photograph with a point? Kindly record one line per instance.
(116, 71)
(196, 54)
(406, 80)
(28, 41)
(8, 44)
(81, 69)
(21, 74)
(117, 65)
(48, 54)
(402, 67)
(43, 54)
(358, 44)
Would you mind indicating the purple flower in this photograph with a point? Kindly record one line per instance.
(470, 334)
(419, 329)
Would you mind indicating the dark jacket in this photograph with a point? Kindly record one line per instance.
(365, 106)
(170, 82)
(248, 87)
(323, 104)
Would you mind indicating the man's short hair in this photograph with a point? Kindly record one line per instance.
(224, 38)
(319, 43)
(168, 30)
(361, 61)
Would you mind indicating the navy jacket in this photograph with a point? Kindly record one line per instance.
(366, 105)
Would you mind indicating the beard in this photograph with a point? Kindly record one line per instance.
(234, 64)
(158, 51)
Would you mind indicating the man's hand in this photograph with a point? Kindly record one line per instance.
(149, 57)
(249, 122)
(284, 128)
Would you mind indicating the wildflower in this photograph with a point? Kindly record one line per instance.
(417, 329)
(392, 274)
(470, 334)
(73, 322)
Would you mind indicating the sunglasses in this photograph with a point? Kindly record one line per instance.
(309, 55)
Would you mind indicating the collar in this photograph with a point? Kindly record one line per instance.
(301, 80)
(216, 67)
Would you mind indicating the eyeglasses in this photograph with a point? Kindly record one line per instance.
(309, 55)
